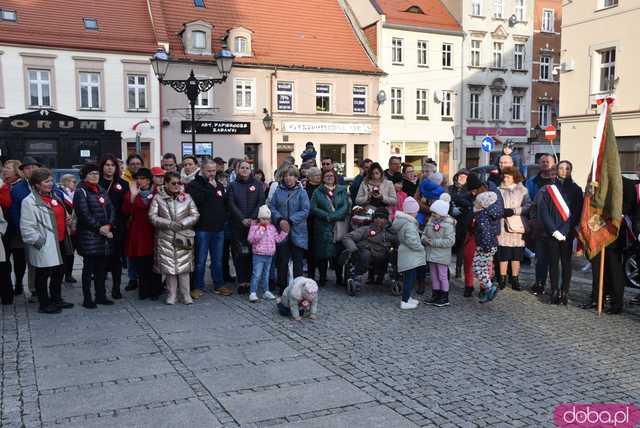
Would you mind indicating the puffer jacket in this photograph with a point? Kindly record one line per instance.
(93, 210)
(385, 188)
(38, 228)
(487, 224)
(373, 238)
(263, 239)
(245, 198)
(442, 234)
(411, 253)
(292, 204)
(116, 189)
(164, 209)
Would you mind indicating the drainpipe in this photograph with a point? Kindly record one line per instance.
(272, 156)
(461, 107)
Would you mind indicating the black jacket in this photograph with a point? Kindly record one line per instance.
(116, 189)
(548, 214)
(93, 211)
(573, 198)
(212, 203)
(245, 198)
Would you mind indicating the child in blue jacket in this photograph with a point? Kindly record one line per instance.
(487, 213)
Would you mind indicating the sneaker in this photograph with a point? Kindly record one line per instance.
(408, 305)
(443, 300)
(489, 294)
(268, 295)
(253, 297)
(411, 300)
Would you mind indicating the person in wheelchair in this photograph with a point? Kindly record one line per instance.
(370, 247)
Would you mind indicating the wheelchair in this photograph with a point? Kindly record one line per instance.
(391, 274)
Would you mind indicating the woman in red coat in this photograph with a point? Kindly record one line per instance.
(139, 245)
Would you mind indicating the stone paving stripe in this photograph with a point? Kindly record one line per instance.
(233, 379)
(372, 417)
(85, 352)
(258, 406)
(112, 397)
(206, 335)
(66, 376)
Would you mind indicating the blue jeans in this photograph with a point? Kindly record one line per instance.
(261, 268)
(409, 279)
(209, 243)
(132, 273)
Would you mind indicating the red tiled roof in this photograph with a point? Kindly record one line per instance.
(435, 14)
(123, 25)
(294, 33)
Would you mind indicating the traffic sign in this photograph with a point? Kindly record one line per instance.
(550, 132)
(488, 144)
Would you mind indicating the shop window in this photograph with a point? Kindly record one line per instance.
(472, 157)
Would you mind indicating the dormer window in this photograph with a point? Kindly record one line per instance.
(8, 15)
(90, 23)
(241, 45)
(198, 3)
(199, 39)
(240, 41)
(415, 9)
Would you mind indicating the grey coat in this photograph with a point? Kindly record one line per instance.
(3, 230)
(439, 251)
(164, 209)
(38, 229)
(411, 253)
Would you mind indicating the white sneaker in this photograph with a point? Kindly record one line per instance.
(268, 295)
(408, 305)
(253, 297)
(412, 300)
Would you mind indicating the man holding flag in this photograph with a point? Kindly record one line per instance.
(602, 214)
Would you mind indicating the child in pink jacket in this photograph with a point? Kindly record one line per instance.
(400, 195)
(263, 237)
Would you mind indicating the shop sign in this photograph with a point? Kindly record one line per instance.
(326, 128)
(217, 127)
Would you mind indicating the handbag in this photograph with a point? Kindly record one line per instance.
(514, 224)
(340, 228)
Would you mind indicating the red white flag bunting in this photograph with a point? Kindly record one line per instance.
(559, 202)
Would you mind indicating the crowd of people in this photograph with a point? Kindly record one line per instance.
(163, 224)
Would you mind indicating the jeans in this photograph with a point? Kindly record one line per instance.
(542, 262)
(261, 268)
(209, 243)
(409, 279)
(132, 272)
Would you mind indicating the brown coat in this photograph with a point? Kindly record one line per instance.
(517, 198)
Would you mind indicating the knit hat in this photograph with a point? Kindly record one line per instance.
(310, 290)
(441, 206)
(410, 206)
(436, 178)
(486, 199)
(473, 182)
(381, 212)
(156, 171)
(264, 212)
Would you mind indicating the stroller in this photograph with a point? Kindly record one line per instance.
(391, 273)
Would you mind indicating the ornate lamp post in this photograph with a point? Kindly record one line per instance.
(192, 86)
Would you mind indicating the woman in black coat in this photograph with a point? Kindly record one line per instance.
(246, 196)
(95, 232)
(461, 208)
(113, 184)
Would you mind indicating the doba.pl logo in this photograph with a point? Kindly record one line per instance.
(602, 415)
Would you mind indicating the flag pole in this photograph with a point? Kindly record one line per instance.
(601, 282)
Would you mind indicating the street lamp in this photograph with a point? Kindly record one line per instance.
(192, 86)
(267, 120)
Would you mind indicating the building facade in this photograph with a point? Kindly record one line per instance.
(287, 87)
(495, 97)
(418, 46)
(599, 45)
(86, 77)
(545, 88)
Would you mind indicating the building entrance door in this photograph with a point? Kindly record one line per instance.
(44, 151)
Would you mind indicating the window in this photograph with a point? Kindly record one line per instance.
(446, 109)
(544, 115)
(607, 69)
(396, 102)
(284, 96)
(199, 39)
(8, 15)
(516, 107)
(610, 3)
(137, 91)
(520, 16)
(89, 90)
(476, 7)
(548, 17)
(359, 99)
(497, 54)
(475, 52)
(497, 9)
(396, 51)
(518, 56)
(198, 3)
(545, 67)
(244, 94)
(241, 45)
(423, 53)
(422, 103)
(447, 51)
(496, 107)
(205, 99)
(323, 98)
(90, 23)
(415, 9)
(474, 106)
(39, 88)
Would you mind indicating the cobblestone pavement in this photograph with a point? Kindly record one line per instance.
(363, 363)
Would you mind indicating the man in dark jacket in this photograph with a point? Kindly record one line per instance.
(314, 180)
(245, 198)
(395, 167)
(327, 165)
(211, 199)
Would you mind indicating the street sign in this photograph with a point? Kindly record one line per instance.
(488, 143)
(550, 132)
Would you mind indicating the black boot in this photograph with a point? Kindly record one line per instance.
(435, 295)
(50, 309)
(554, 297)
(443, 299)
(115, 291)
(502, 282)
(18, 289)
(421, 287)
(468, 291)
(132, 285)
(537, 288)
(515, 283)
